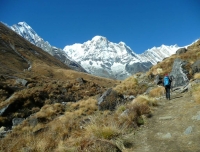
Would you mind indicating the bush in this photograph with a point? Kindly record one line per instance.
(157, 92)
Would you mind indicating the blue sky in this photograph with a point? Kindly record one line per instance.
(141, 24)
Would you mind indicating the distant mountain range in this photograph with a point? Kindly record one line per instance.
(104, 58)
(99, 56)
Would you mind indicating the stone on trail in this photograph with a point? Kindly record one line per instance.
(188, 130)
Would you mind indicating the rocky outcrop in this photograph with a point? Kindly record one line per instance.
(196, 67)
(17, 121)
(22, 81)
(109, 100)
(158, 80)
(179, 73)
(138, 67)
(181, 51)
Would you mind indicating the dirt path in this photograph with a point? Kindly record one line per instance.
(174, 127)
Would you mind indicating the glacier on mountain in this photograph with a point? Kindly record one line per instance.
(101, 57)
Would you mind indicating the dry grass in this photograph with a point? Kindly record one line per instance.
(157, 92)
(190, 56)
(143, 99)
(195, 93)
(130, 86)
(77, 129)
(127, 85)
(197, 76)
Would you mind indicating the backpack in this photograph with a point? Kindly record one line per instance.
(166, 81)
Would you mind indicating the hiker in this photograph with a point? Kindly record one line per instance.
(167, 84)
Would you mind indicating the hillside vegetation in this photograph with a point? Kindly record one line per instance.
(46, 106)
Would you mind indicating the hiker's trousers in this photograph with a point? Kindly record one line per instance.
(167, 90)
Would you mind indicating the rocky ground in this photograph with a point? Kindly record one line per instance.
(174, 127)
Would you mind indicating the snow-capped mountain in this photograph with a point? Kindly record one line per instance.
(104, 58)
(29, 34)
(157, 54)
(99, 56)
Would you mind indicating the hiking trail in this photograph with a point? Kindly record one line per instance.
(174, 127)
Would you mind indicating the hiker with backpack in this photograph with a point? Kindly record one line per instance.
(167, 84)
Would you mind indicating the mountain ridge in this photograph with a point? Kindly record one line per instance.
(24, 30)
(115, 59)
(99, 56)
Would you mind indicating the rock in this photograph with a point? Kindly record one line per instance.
(164, 136)
(138, 67)
(167, 136)
(181, 51)
(3, 132)
(197, 117)
(196, 67)
(188, 130)
(3, 110)
(131, 97)
(109, 100)
(2, 129)
(80, 80)
(17, 121)
(197, 81)
(22, 81)
(125, 113)
(158, 80)
(179, 73)
(33, 121)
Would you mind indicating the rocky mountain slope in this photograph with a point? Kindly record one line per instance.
(24, 30)
(99, 56)
(30, 75)
(104, 58)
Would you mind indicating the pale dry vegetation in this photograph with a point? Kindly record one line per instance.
(157, 92)
(195, 93)
(192, 55)
(130, 86)
(197, 76)
(80, 127)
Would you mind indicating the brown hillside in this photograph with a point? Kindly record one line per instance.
(192, 55)
(31, 78)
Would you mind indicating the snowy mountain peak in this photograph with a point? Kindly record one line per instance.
(23, 29)
(23, 24)
(101, 57)
(97, 38)
(122, 43)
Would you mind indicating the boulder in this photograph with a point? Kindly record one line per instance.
(17, 121)
(33, 121)
(158, 80)
(109, 100)
(22, 81)
(181, 51)
(179, 73)
(80, 80)
(196, 67)
(3, 110)
(3, 132)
